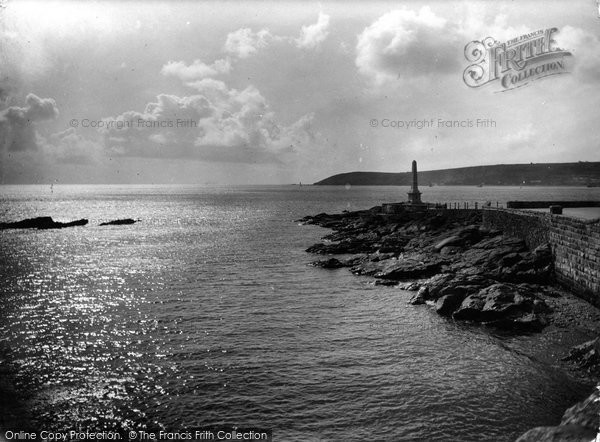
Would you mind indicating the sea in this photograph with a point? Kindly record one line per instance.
(206, 312)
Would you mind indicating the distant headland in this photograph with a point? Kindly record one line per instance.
(533, 174)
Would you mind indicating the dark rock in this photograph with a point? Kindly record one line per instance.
(450, 250)
(586, 356)
(504, 305)
(463, 283)
(470, 309)
(403, 268)
(420, 297)
(409, 286)
(585, 413)
(437, 283)
(330, 263)
(343, 247)
(447, 304)
(579, 423)
(119, 222)
(474, 274)
(567, 433)
(43, 222)
(527, 323)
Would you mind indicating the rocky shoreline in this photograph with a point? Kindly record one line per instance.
(465, 272)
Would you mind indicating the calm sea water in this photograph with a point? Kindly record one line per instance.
(206, 313)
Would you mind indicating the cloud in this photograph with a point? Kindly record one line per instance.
(17, 124)
(520, 138)
(584, 47)
(313, 35)
(196, 70)
(216, 124)
(245, 42)
(404, 43)
(68, 147)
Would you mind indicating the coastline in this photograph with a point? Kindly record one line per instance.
(436, 256)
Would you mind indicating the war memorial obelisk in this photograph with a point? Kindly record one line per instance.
(414, 196)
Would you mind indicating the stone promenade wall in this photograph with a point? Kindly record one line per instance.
(575, 244)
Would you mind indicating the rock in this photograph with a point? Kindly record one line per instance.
(409, 286)
(569, 433)
(330, 263)
(465, 236)
(586, 356)
(450, 250)
(343, 247)
(527, 323)
(459, 290)
(504, 305)
(451, 241)
(437, 283)
(403, 268)
(473, 273)
(43, 222)
(585, 413)
(420, 297)
(540, 306)
(469, 309)
(447, 304)
(119, 222)
(579, 423)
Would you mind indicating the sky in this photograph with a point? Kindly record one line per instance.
(262, 92)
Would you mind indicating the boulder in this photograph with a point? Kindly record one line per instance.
(420, 297)
(447, 304)
(586, 356)
(470, 308)
(505, 305)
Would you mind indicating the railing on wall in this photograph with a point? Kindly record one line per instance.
(465, 205)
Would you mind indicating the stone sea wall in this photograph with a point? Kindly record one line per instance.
(575, 245)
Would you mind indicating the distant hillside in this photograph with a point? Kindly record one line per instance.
(539, 174)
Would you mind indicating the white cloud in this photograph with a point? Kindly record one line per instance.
(196, 70)
(229, 125)
(405, 43)
(584, 47)
(245, 42)
(313, 35)
(519, 138)
(17, 124)
(68, 147)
